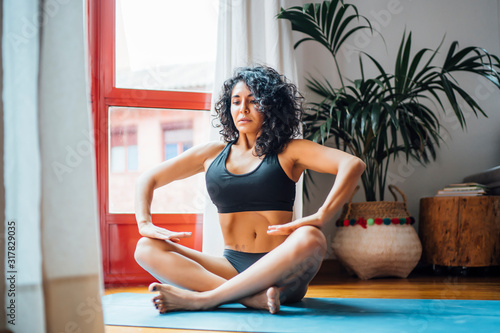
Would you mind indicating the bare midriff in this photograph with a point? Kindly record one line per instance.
(247, 231)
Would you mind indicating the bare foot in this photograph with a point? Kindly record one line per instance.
(171, 298)
(266, 300)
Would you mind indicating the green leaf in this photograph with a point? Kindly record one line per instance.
(447, 87)
(375, 116)
(322, 133)
(328, 126)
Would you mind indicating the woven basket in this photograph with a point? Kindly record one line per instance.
(377, 239)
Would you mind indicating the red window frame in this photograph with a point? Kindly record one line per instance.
(105, 94)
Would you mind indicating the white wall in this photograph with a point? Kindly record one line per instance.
(471, 23)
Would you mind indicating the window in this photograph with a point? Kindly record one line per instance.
(152, 65)
(123, 149)
(155, 135)
(177, 138)
(165, 44)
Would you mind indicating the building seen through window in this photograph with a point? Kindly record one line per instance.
(142, 138)
(178, 137)
(123, 144)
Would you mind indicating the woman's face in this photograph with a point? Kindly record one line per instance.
(244, 110)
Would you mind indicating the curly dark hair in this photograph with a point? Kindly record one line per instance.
(278, 100)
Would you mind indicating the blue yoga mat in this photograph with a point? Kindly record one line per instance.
(314, 315)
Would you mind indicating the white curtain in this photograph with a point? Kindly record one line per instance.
(49, 169)
(248, 33)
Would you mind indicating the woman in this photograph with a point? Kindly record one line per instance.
(268, 259)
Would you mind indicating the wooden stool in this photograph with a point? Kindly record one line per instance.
(460, 231)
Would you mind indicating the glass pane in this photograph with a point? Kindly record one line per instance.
(138, 142)
(170, 150)
(165, 44)
(132, 158)
(117, 159)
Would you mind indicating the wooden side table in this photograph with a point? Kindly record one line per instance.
(460, 231)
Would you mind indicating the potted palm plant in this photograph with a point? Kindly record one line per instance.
(378, 118)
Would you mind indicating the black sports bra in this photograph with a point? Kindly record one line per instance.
(266, 188)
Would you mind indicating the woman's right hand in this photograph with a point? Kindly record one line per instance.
(150, 230)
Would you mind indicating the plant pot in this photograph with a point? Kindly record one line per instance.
(377, 239)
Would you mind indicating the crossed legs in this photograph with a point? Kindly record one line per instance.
(282, 275)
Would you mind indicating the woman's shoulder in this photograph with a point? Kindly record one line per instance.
(298, 145)
(213, 145)
(299, 149)
(208, 150)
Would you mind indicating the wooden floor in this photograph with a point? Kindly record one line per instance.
(423, 285)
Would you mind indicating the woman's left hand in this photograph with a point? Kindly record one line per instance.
(288, 228)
